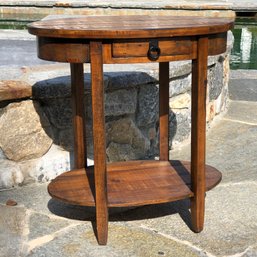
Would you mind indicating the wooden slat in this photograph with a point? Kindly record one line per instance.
(78, 119)
(131, 26)
(199, 86)
(132, 183)
(164, 110)
(99, 141)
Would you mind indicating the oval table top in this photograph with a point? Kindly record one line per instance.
(130, 26)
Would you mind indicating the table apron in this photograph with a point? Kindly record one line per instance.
(127, 50)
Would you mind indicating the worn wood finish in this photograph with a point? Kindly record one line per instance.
(131, 26)
(127, 39)
(123, 51)
(164, 110)
(217, 43)
(78, 119)
(199, 86)
(63, 50)
(132, 183)
(99, 141)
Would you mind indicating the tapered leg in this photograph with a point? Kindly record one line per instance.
(99, 141)
(199, 84)
(77, 92)
(164, 110)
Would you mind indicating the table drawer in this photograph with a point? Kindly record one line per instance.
(167, 48)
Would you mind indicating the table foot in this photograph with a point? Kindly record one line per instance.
(197, 215)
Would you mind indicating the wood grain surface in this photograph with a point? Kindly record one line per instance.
(131, 39)
(132, 183)
(140, 26)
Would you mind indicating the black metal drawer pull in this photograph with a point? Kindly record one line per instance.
(154, 50)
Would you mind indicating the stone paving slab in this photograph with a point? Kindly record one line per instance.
(123, 241)
(244, 89)
(231, 148)
(13, 225)
(38, 9)
(166, 4)
(230, 221)
(244, 111)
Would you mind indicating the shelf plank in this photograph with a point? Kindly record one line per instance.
(131, 183)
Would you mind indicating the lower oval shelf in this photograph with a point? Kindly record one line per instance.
(131, 183)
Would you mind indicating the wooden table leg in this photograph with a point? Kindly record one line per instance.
(164, 110)
(199, 85)
(77, 98)
(99, 141)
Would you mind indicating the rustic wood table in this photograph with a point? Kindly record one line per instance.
(133, 39)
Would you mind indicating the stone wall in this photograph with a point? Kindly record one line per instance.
(36, 140)
(40, 8)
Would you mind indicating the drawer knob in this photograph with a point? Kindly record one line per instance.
(154, 50)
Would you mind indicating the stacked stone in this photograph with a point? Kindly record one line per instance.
(36, 138)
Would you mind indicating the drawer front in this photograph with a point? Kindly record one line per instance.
(175, 48)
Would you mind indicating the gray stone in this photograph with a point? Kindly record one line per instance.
(148, 105)
(122, 241)
(124, 131)
(120, 102)
(215, 80)
(13, 231)
(120, 152)
(25, 132)
(59, 112)
(56, 87)
(52, 85)
(180, 69)
(10, 174)
(180, 126)
(180, 85)
(123, 80)
(66, 139)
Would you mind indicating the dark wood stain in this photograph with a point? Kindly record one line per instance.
(126, 39)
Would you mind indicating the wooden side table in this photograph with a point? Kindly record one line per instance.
(133, 39)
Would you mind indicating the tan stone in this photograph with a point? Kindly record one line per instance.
(210, 111)
(12, 89)
(182, 101)
(25, 132)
